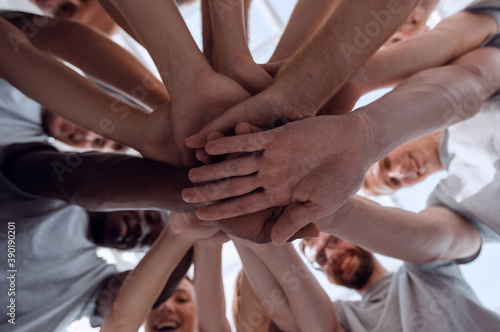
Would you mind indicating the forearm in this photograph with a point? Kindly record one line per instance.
(272, 299)
(300, 286)
(450, 39)
(431, 100)
(170, 44)
(337, 44)
(66, 93)
(144, 283)
(209, 289)
(307, 18)
(434, 234)
(114, 13)
(115, 67)
(97, 181)
(228, 28)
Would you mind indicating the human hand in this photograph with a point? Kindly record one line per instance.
(158, 138)
(257, 227)
(243, 70)
(344, 100)
(191, 227)
(318, 163)
(209, 95)
(272, 68)
(215, 241)
(267, 109)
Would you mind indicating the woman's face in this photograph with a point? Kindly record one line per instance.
(177, 314)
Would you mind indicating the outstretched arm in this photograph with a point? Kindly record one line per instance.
(306, 82)
(319, 163)
(307, 18)
(198, 93)
(97, 56)
(310, 306)
(271, 297)
(96, 181)
(210, 300)
(451, 38)
(70, 95)
(144, 283)
(431, 235)
(230, 54)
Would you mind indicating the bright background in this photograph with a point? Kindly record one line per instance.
(267, 20)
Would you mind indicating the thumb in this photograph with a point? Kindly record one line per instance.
(297, 219)
(224, 125)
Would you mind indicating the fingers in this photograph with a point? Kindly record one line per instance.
(239, 166)
(220, 190)
(294, 220)
(246, 128)
(223, 124)
(235, 207)
(309, 230)
(241, 143)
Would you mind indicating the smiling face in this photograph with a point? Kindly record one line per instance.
(86, 12)
(404, 167)
(344, 263)
(177, 314)
(127, 229)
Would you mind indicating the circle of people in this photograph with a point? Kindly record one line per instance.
(257, 154)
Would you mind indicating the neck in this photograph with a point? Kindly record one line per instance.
(378, 272)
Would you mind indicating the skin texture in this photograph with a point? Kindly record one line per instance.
(279, 277)
(336, 151)
(451, 38)
(311, 84)
(230, 54)
(81, 102)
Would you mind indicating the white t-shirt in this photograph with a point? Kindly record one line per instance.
(470, 151)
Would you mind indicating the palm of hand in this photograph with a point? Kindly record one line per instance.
(318, 162)
(208, 97)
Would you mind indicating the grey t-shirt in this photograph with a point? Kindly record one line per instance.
(470, 151)
(489, 7)
(58, 272)
(20, 117)
(431, 297)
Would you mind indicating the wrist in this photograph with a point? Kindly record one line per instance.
(373, 148)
